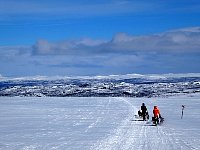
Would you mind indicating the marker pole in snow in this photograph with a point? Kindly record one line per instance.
(183, 106)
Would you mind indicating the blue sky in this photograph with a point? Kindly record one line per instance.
(82, 37)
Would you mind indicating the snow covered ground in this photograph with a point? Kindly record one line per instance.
(97, 123)
(131, 85)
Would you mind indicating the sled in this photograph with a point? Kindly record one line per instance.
(146, 115)
(157, 120)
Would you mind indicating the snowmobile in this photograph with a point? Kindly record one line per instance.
(146, 114)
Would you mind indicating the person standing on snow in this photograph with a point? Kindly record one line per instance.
(144, 110)
(156, 113)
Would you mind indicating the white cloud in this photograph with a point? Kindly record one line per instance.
(183, 40)
(159, 53)
(67, 47)
(9, 53)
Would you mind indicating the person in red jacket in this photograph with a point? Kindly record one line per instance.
(156, 113)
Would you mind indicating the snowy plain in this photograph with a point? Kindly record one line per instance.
(96, 123)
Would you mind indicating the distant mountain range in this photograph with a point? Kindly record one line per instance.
(130, 85)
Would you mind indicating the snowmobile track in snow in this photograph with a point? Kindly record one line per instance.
(132, 134)
(97, 123)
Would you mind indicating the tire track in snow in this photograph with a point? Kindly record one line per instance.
(131, 135)
(171, 139)
(99, 119)
(166, 139)
(122, 137)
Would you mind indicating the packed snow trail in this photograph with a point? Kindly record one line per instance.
(135, 134)
(97, 123)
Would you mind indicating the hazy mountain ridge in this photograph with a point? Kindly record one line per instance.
(132, 85)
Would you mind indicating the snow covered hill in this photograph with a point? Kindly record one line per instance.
(131, 85)
(97, 123)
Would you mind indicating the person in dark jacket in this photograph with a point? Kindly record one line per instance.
(144, 111)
